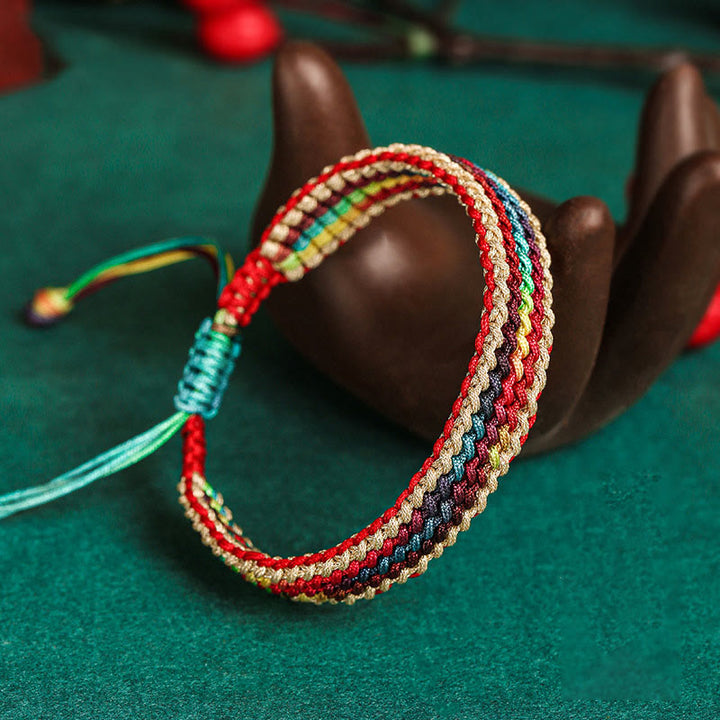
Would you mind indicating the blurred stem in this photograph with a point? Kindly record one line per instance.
(422, 34)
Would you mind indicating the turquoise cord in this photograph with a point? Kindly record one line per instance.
(112, 461)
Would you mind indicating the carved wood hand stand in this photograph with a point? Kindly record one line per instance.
(392, 316)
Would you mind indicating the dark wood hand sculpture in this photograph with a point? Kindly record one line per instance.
(393, 315)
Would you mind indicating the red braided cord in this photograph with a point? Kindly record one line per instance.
(255, 279)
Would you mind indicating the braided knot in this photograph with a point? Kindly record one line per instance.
(207, 372)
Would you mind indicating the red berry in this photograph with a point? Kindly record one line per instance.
(242, 34)
(709, 327)
(206, 7)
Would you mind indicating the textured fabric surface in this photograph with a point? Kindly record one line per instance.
(588, 589)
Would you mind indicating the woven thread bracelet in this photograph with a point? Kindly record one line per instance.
(488, 422)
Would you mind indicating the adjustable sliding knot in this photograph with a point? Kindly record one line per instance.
(204, 380)
(207, 371)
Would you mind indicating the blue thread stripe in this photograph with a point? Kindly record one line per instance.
(476, 432)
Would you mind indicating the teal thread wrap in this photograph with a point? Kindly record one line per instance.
(207, 372)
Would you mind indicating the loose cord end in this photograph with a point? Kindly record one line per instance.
(109, 463)
(48, 306)
(51, 304)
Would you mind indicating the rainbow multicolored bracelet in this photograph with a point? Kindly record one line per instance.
(494, 410)
(488, 423)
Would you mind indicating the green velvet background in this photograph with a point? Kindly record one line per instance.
(588, 589)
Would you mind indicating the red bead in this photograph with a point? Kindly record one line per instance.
(242, 34)
(206, 7)
(709, 327)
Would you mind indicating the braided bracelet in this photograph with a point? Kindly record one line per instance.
(488, 423)
(496, 405)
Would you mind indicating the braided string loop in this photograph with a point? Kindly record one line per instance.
(207, 371)
(491, 416)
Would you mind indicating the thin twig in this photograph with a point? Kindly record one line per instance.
(426, 34)
(338, 11)
(468, 49)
